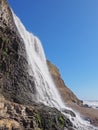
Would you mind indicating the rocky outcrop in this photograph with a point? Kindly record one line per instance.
(67, 95)
(37, 117)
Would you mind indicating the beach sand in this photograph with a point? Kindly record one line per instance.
(86, 113)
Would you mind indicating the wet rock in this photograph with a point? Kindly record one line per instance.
(23, 117)
(69, 112)
(15, 83)
(87, 106)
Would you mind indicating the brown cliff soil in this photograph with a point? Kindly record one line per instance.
(67, 95)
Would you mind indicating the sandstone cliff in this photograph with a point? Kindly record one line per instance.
(67, 95)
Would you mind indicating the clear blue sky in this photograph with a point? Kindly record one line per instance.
(68, 30)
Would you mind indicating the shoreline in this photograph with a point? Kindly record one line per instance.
(89, 114)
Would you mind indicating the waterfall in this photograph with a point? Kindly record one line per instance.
(46, 91)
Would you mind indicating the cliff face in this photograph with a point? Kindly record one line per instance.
(67, 95)
(15, 83)
(16, 86)
(18, 111)
(14, 79)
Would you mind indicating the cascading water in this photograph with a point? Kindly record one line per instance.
(46, 91)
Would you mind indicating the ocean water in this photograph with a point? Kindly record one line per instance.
(91, 103)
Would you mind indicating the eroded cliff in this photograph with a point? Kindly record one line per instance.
(67, 95)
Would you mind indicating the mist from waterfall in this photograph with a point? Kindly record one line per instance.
(46, 91)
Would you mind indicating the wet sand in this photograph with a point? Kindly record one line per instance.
(89, 114)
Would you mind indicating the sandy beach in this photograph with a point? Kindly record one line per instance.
(86, 113)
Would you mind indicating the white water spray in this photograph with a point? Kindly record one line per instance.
(46, 91)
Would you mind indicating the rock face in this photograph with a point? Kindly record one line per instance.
(37, 117)
(17, 108)
(14, 79)
(67, 95)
